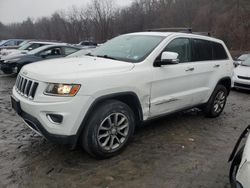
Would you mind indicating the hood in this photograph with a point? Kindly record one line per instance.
(71, 69)
(14, 56)
(242, 71)
(6, 52)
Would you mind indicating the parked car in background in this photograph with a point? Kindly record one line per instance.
(98, 100)
(239, 174)
(11, 43)
(14, 63)
(82, 52)
(25, 48)
(87, 44)
(240, 59)
(241, 79)
(14, 47)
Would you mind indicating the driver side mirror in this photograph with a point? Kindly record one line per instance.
(237, 63)
(168, 58)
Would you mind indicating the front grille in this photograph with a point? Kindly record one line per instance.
(242, 85)
(26, 87)
(244, 78)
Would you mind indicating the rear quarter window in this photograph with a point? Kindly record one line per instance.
(202, 50)
(219, 52)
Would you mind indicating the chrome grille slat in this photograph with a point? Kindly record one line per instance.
(32, 85)
(26, 87)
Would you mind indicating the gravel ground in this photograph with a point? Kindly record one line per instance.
(184, 150)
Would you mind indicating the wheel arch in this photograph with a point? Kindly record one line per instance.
(129, 98)
(227, 82)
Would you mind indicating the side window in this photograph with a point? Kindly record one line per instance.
(180, 46)
(202, 50)
(51, 52)
(33, 46)
(69, 51)
(18, 42)
(10, 43)
(219, 52)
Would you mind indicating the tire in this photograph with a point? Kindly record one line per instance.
(113, 137)
(217, 102)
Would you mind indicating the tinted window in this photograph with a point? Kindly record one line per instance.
(180, 46)
(52, 52)
(219, 51)
(202, 50)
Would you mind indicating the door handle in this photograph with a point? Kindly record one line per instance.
(216, 66)
(190, 69)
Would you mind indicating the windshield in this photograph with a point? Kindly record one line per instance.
(23, 43)
(25, 46)
(243, 57)
(246, 62)
(131, 48)
(2, 42)
(81, 53)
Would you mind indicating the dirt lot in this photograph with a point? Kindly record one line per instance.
(184, 150)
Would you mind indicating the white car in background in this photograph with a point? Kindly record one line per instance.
(241, 79)
(240, 162)
(24, 48)
(240, 59)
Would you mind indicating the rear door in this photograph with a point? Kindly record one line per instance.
(207, 59)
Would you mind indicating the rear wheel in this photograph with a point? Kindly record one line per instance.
(109, 129)
(217, 102)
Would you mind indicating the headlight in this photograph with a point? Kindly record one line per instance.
(68, 90)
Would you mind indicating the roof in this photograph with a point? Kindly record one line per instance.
(43, 42)
(183, 34)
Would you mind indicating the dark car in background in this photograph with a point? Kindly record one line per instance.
(14, 63)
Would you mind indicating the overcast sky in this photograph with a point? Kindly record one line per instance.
(19, 10)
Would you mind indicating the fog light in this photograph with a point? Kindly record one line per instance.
(55, 118)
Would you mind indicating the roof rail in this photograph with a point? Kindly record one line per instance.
(203, 33)
(179, 29)
(172, 29)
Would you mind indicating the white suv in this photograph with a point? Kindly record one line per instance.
(97, 100)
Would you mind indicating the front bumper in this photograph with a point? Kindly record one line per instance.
(35, 115)
(36, 126)
(241, 83)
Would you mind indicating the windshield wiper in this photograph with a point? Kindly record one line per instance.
(106, 56)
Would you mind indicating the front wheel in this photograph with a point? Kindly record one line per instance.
(109, 129)
(217, 102)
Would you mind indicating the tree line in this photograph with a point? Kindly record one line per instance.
(101, 20)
